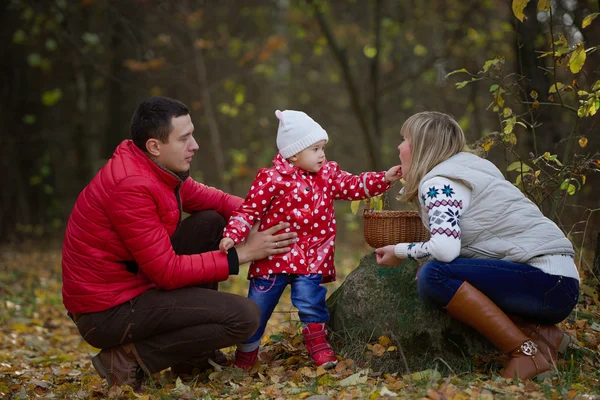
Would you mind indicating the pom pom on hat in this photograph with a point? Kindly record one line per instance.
(297, 131)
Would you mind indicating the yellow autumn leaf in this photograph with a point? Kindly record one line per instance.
(384, 341)
(392, 348)
(354, 206)
(583, 142)
(518, 8)
(544, 5)
(556, 87)
(577, 59)
(588, 20)
(487, 144)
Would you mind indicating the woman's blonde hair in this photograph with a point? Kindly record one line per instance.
(434, 138)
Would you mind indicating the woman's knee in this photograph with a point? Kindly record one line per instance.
(428, 278)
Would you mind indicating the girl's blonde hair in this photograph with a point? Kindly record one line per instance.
(434, 138)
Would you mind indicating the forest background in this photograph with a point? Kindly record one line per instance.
(521, 77)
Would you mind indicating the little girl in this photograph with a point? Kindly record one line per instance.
(300, 189)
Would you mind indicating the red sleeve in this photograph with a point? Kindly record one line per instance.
(357, 187)
(134, 218)
(198, 197)
(254, 207)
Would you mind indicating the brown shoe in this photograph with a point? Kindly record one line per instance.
(120, 365)
(200, 363)
(549, 339)
(475, 309)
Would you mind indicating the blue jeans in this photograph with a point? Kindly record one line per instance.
(308, 296)
(518, 289)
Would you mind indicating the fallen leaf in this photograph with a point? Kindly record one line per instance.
(354, 379)
(378, 350)
(384, 341)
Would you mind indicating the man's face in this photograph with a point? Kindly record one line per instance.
(176, 155)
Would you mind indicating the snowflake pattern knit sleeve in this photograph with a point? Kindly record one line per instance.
(445, 201)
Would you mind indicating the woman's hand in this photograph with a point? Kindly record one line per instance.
(393, 174)
(386, 257)
(259, 245)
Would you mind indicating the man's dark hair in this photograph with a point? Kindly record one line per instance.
(152, 119)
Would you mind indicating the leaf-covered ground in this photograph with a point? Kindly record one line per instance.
(42, 355)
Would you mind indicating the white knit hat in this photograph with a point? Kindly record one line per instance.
(296, 132)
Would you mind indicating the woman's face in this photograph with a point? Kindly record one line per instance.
(405, 149)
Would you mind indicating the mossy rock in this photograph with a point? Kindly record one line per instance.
(375, 301)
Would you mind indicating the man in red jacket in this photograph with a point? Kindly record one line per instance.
(139, 282)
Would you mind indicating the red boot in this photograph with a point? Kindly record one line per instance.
(246, 359)
(315, 338)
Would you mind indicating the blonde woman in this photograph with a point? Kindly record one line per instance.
(493, 261)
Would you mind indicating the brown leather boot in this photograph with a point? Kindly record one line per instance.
(549, 339)
(120, 365)
(475, 309)
(200, 363)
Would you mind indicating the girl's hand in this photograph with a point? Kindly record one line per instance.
(393, 174)
(226, 244)
(386, 257)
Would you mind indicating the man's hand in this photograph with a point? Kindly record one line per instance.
(259, 245)
(393, 174)
(386, 257)
(226, 244)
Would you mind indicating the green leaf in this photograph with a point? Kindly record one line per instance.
(557, 86)
(35, 180)
(34, 59)
(354, 206)
(420, 50)
(29, 119)
(90, 38)
(596, 86)
(19, 36)
(51, 44)
(569, 187)
(460, 85)
(518, 166)
(51, 97)
(494, 87)
(369, 51)
(544, 5)
(577, 59)
(239, 98)
(456, 72)
(518, 8)
(588, 20)
(491, 63)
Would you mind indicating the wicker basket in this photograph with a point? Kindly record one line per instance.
(385, 227)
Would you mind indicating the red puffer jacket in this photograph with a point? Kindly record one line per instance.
(285, 193)
(129, 212)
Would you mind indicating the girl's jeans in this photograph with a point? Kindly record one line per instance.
(518, 289)
(308, 296)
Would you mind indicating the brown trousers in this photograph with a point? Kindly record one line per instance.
(176, 326)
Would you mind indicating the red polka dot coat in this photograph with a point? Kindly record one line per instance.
(284, 193)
